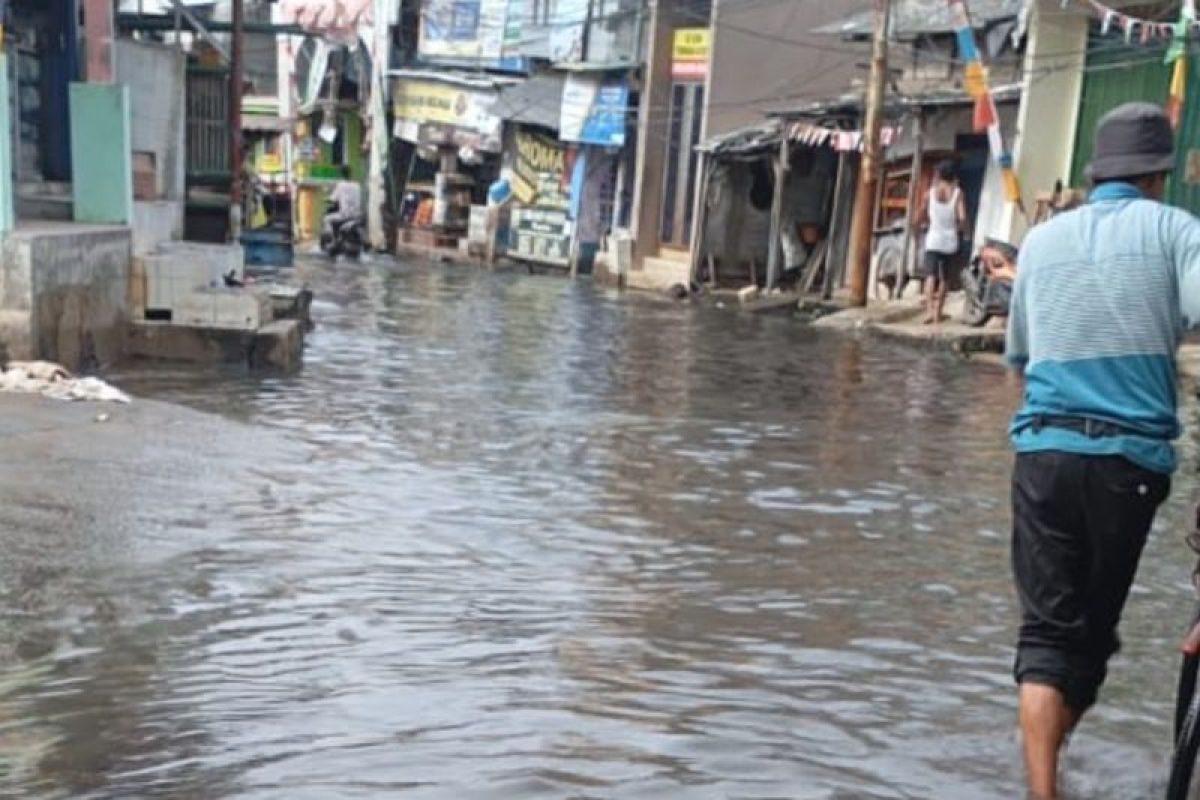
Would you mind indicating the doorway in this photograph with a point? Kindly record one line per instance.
(683, 134)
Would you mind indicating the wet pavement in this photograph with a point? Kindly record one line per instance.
(508, 537)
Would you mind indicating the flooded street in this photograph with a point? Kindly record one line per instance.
(530, 541)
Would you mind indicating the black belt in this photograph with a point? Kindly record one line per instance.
(1092, 428)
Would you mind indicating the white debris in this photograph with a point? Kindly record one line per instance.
(86, 389)
(54, 381)
(41, 370)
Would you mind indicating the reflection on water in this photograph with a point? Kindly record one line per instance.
(548, 544)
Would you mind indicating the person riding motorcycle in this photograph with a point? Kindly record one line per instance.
(342, 227)
(346, 199)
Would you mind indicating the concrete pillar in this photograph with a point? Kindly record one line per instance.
(100, 151)
(1055, 55)
(285, 64)
(7, 212)
(98, 31)
(653, 129)
(380, 135)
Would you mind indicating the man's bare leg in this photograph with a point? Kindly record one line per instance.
(1046, 719)
(939, 299)
(930, 299)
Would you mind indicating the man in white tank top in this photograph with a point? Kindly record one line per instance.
(944, 218)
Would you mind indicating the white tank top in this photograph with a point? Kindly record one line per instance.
(943, 224)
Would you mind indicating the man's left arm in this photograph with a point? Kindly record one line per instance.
(1185, 257)
(1016, 338)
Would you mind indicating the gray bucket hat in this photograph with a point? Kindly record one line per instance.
(1133, 139)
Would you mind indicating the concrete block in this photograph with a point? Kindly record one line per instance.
(179, 268)
(279, 345)
(747, 294)
(64, 291)
(223, 309)
(166, 342)
(288, 302)
(659, 274)
(137, 288)
(220, 259)
(155, 223)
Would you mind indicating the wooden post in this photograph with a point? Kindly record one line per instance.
(775, 246)
(914, 197)
(861, 231)
(832, 264)
(700, 217)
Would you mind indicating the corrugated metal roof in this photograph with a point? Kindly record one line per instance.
(469, 80)
(914, 17)
(752, 138)
(536, 101)
(850, 105)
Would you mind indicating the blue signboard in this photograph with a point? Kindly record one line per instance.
(594, 110)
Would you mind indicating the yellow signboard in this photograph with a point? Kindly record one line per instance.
(692, 44)
(690, 54)
(420, 102)
(426, 101)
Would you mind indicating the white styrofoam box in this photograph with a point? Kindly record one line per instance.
(179, 268)
(477, 226)
(224, 309)
(168, 278)
(216, 260)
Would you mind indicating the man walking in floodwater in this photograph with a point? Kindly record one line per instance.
(1102, 296)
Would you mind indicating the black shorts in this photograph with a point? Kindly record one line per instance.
(936, 265)
(1079, 525)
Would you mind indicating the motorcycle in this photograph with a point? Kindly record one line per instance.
(347, 239)
(985, 297)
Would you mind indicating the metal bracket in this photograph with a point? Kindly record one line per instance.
(182, 11)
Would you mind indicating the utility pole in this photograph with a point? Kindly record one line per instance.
(862, 227)
(236, 71)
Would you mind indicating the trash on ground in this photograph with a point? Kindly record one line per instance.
(56, 382)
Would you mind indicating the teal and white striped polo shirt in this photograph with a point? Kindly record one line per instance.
(1102, 297)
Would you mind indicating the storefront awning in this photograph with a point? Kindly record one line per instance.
(536, 101)
(264, 124)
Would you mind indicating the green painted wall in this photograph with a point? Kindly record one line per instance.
(352, 125)
(1116, 75)
(6, 171)
(100, 152)
(1180, 192)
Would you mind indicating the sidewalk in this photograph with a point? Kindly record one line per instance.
(82, 475)
(902, 319)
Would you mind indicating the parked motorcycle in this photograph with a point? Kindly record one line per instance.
(986, 296)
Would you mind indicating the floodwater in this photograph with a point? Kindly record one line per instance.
(542, 542)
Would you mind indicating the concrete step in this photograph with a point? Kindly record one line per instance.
(659, 274)
(60, 189)
(675, 255)
(45, 207)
